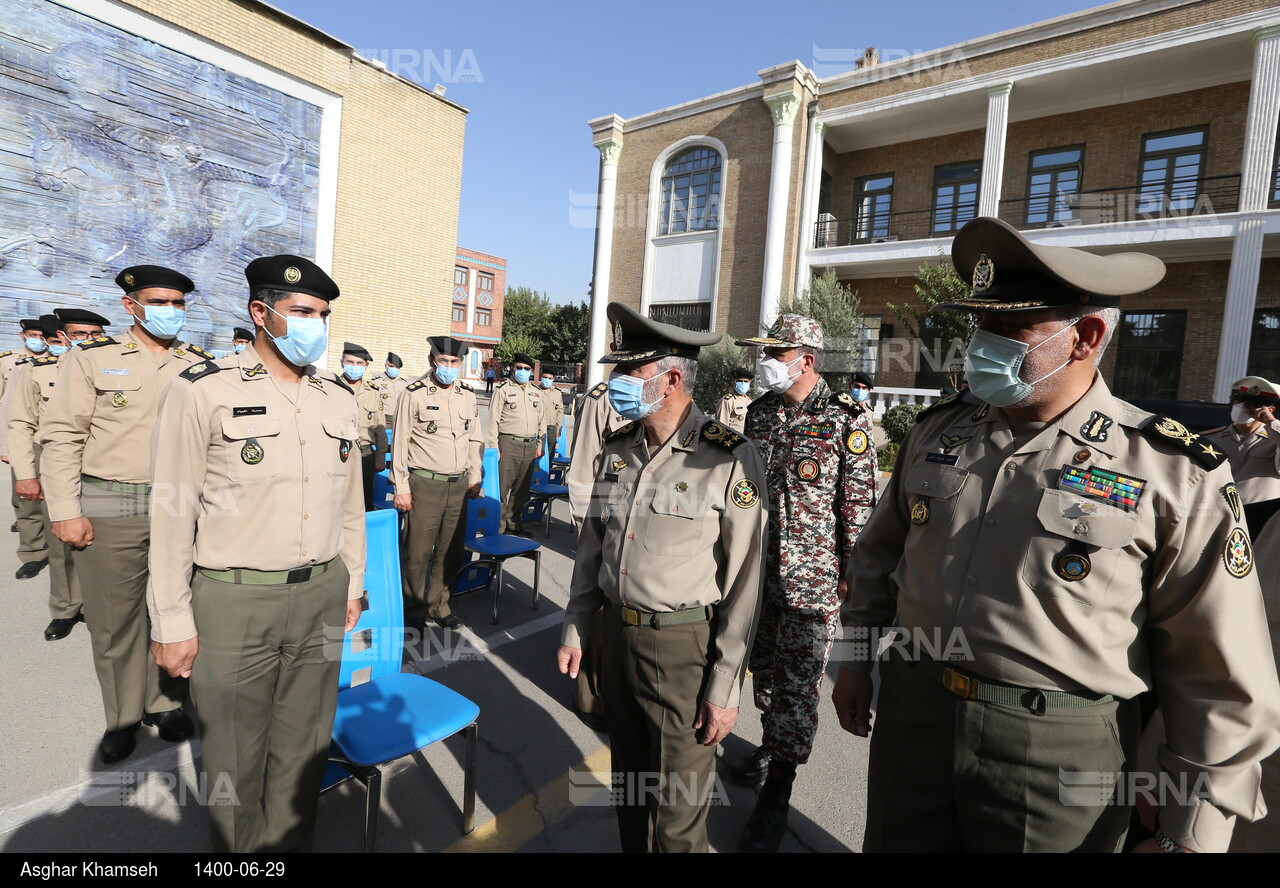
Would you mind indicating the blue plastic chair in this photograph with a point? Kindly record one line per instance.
(384, 492)
(494, 548)
(385, 714)
(545, 490)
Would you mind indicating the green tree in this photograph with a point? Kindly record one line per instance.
(942, 336)
(835, 306)
(527, 312)
(715, 374)
(515, 343)
(567, 338)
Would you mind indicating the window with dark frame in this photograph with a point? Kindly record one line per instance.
(955, 195)
(1149, 354)
(1053, 184)
(483, 317)
(1171, 170)
(484, 281)
(1264, 344)
(824, 193)
(459, 276)
(689, 315)
(691, 192)
(872, 205)
(460, 313)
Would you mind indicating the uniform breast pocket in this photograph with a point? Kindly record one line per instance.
(341, 434)
(253, 448)
(932, 492)
(116, 392)
(679, 526)
(1075, 552)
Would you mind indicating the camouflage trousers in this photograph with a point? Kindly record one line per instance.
(788, 660)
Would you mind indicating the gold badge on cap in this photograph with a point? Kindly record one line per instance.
(128, 279)
(984, 274)
(252, 453)
(119, 400)
(292, 275)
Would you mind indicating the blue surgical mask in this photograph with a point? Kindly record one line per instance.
(547, 383)
(305, 339)
(240, 347)
(626, 396)
(742, 387)
(352, 371)
(393, 372)
(860, 394)
(39, 346)
(521, 376)
(447, 375)
(58, 350)
(163, 321)
(993, 365)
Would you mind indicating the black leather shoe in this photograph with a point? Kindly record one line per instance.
(30, 569)
(448, 622)
(417, 623)
(768, 823)
(116, 745)
(60, 629)
(752, 769)
(175, 725)
(593, 720)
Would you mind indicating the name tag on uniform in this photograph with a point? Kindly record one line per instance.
(947, 459)
(115, 371)
(611, 476)
(431, 407)
(248, 411)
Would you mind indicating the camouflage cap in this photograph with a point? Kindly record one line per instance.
(790, 331)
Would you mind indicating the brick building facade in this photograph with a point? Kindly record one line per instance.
(479, 288)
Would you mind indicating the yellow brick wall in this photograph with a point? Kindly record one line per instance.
(399, 177)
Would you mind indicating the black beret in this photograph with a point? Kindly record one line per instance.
(356, 351)
(446, 345)
(394, 360)
(743, 373)
(864, 379)
(242, 333)
(31, 324)
(140, 277)
(292, 274)
(520, 358)
(49, 324)
(79, 316)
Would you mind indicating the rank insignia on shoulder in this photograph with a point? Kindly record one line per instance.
(688, 439)
(196, 371)
(944, 402)
(717, 433)
(255, 370)
(1237, 554)
(1232, 496)
(315, 381)
(337, 377)
(1095, 427)
(413, 387)
(598, 390)
(41, 362)
(745, 493)
(625, 430)
(857, 442)
(465, 387)
(1169, 430)
(845, 400)
(5, 354)
(199, 352)
(1119, 490)
(981, 413)
(98, 341)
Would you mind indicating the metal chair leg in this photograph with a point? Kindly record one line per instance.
(537, 575)
(546, 517)
(469, 781)
(372, 806)
(497, 592)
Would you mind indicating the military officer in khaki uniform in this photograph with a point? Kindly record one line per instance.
(1252, 440)
(732, 408)
(95, 470)
(241, 338)
(672, 549)
(516, 428)
(435, 465)
(33, 547)
(30, 394)
(1051, 552)
(552, 408)
(391, 383)
(258, 557)
(370, 423)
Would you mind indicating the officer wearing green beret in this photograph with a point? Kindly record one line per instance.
(1049, 553)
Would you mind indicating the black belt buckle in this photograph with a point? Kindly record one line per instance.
(299, 575)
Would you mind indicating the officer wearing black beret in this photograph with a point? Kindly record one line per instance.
(516, 429)
(240, 338)
(732, 408)
(369, 417)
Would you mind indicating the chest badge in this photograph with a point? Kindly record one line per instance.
(1095, 427)
(951, 442)
(980, 413)
(920, 513)
(745, 494)
(682, 487)
(252, 453)
(119, 400)
(1072, 567)
(344, 449)
(618, 464)
(857, 442)
(1232, 496)
(1237, 554)
(1120, 490)
(808, 469)
(431, 427)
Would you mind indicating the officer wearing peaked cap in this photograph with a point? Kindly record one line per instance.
(369, 419)
(671, 547)
(1252, 440)
(95, 470)
(435, 466)
(1051, 552)
(258, 555)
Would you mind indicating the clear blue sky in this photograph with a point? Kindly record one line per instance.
(542, 70)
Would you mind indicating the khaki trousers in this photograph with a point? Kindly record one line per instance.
(436, 525)
(65, 598)
(32, 544)
(515, 474)
(113, 580)
(265, 688)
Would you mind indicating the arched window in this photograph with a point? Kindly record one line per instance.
(691, 192)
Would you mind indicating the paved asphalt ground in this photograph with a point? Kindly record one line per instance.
(535, 792)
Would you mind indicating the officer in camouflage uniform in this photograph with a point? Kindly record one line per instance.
(820, 465)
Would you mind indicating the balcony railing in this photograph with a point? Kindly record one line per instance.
(1103, 206)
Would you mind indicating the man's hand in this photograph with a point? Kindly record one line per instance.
(4, 459)
(176, 658)
(1261, 414)
(715, 722)
(568, 659)
(473, 492)
(852, 697)
(75, 532)
(842, 589)
(29, 489)
(403, 502)
(538, 455)
(355, 608)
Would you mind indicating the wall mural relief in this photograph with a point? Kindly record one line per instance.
(116, 151)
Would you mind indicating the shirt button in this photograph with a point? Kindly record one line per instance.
(991, 522)
(637, 502)
(623, 571)
(1010, 466)
(972, 581)
(1081, 528)
(299, 410)
(631, 536)
(1081, 456)
(305, 517)
(305, 480)
(302, 442)
(924, 486)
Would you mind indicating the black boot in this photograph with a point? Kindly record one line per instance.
(751, 769)
(768, 823)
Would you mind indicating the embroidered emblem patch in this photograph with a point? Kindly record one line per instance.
(1071, 567)
(745, 494)
(857, 442)
(177, 351)
(984, 274)
(292, 275)
(1171, 428)
(257, 370)
(119, 400)
(1095, 427)
(1121, 490)
(920, 513)
(431, 427)
(688, 439)
(681, 487)
(814, 429)
(1232, 496)
(980, 413)
(951, 442)
(252, 453)
(344, 449)
(618, 464)
(1237, 554)
(808, 469)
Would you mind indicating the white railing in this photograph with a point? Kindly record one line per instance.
(882, 398)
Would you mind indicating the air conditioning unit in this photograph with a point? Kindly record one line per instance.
(828, 231)
(887, 239)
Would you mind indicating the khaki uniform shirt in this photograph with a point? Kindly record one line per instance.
(30, 391)
(371, 423)
(390, 390)
(978, 542)
(681, 527)
(250, 473)
(552, 408)
(437, 429)
(732, 411)
(594, 419)
(1254, 458)
(100, 424)
(515, 410)
(11, 365)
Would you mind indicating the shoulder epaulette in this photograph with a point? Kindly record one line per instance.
(196, 371)
(463, 385)
(25, 359)
(949, 400)
(99, 341)
(337, 377)
(41, 362)
(627, 429)
(199, 352)
(719, 433)
(598, 390)
(728, 397)
(414, 386)
(845, 400)
(5, 354)
(1169, 431)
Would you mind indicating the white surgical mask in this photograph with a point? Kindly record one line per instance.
(1240, 415)
(775, 375)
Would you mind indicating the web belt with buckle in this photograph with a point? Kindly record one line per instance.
(246, 577)
(1035, 699)
(656, 620)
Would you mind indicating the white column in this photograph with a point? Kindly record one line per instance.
(993, 151)
(1255, 191)
(809, 211)
(473, 281)
(775, 234)
(598, 337)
